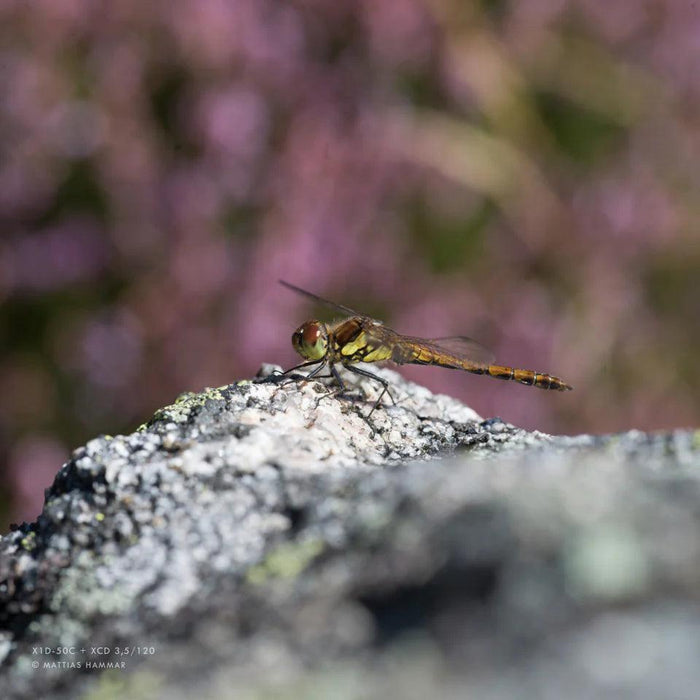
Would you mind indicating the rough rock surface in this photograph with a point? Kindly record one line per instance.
(270, 540)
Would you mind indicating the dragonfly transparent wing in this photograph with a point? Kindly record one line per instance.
(446, 352)
(346, 311)
(466, 348)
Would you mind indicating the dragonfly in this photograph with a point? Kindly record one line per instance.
(357, 339)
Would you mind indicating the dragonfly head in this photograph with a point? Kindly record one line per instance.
(310, 340)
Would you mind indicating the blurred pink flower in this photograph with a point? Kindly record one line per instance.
(69, 252)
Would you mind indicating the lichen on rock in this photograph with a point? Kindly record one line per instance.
(273, 520)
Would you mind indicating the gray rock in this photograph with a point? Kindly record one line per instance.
(272, 540)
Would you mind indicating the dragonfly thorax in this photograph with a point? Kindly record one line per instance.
(310, 340)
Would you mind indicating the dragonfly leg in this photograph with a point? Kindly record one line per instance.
(314, 372)
(332, 374)
(342, 387)
(341, 383)
(288, 375)
(311, 374)
(383, 382)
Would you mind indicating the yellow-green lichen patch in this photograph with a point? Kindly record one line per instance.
(114, 684)
(607, 563)
(83, 594)
(29, 542)
(180, 411)
(696, 440)
(285, 562)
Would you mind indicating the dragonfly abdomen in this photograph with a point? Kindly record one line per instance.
(425, 356)
(526, 376)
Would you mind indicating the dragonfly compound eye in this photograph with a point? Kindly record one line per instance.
(311, 332)
(310, 341)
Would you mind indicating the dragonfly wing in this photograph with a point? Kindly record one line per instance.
(447, 352)
(465, 347)
(346, 311)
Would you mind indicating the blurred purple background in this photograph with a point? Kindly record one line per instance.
(524, 173)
